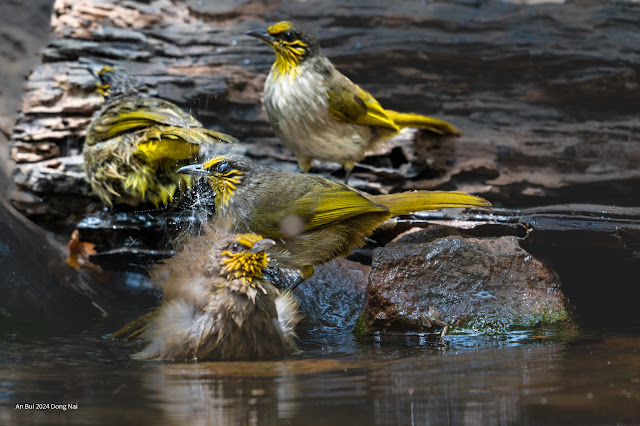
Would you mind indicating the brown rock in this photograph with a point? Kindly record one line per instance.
(476, 284)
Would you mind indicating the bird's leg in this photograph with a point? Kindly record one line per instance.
(348, 168)
(295, 284)
(305, 272)
(304, 163)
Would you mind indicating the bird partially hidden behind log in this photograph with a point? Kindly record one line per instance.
(136, 142)
(313, 220)
(217, 305)
(319, 113)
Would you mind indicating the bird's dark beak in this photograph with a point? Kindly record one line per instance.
(194, 169)
(262, 245)
(263, 35)
(94, 73)
(98, 69)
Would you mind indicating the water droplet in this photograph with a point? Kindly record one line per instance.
(234, 42)
(247, 61)
(219, 50)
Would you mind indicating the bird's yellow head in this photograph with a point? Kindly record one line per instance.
(102, 75)
(245, 258)
(112, 82)
(292, 44)
(222, 173)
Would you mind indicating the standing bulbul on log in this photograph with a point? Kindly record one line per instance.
(318, 112)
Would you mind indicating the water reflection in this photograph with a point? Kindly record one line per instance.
(515, 379)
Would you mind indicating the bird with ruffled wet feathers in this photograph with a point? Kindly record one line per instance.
(136, 142)
(317, 112)
(217, 304)
(313, 220)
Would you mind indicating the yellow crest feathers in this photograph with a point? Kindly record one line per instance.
(248, 240)
(213, 161)
(280, 27)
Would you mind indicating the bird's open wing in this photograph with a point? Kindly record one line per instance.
(349, 103)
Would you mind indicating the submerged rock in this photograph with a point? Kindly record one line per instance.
(489, 285)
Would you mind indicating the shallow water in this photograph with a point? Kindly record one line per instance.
(519, 378)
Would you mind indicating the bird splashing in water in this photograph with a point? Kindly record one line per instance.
(217, 304)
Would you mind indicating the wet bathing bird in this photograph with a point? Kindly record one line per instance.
(217, 305)
(136, 142)
(313, 220)
(319, 113)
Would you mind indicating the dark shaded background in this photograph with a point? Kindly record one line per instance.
(24, 28)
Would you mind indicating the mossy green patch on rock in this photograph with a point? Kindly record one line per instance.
(362, 326)
(494, 325)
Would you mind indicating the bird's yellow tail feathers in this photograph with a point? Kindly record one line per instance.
(416, 201)
(434, 125)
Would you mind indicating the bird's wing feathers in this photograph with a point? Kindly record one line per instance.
(133, 112)
(349, 103)
(141, 118)
(158, 146)
(333, 204)
(169, 131)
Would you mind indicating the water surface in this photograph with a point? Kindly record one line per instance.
(519, 378)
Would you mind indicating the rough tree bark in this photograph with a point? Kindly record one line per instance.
(548, 95)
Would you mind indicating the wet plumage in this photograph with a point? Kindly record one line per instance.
(217, 305)
(136, 142)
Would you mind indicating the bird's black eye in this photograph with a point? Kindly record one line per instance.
(289, 36)
(223, 167)
(235, 247)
